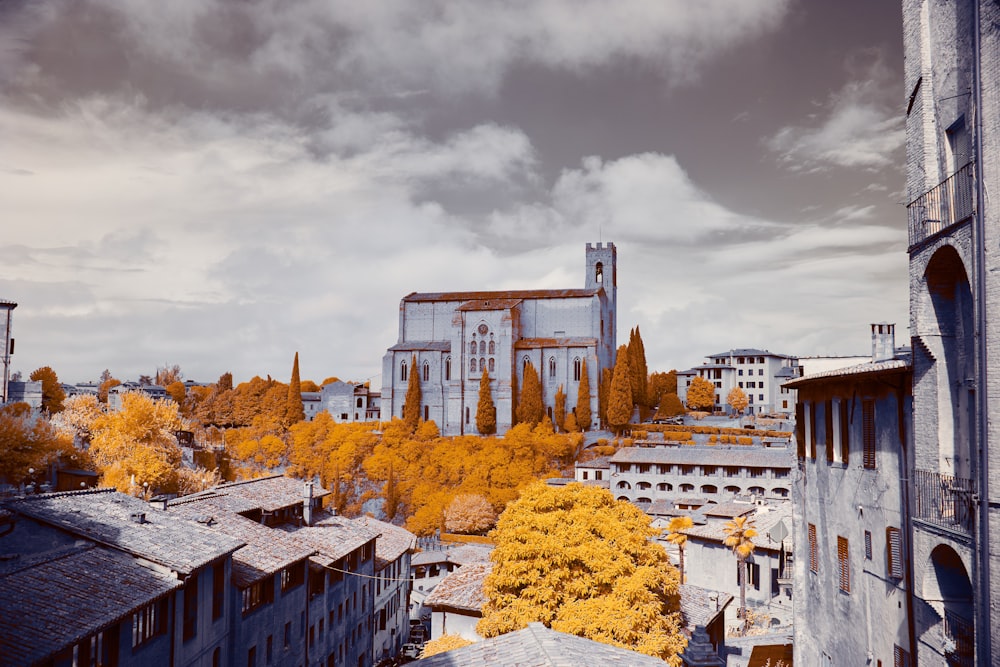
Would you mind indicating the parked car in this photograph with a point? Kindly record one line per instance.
(411, 651)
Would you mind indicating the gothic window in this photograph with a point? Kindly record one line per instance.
(599, 273)
(552, 367)
(402, 371)
(472, 347)
(492, 365)
(427, 371)
(447, 368)
(472, 365)
(482, 347)
(493, 346)
(525, 362)
(576, 369)
(482, 364)
(360, 404)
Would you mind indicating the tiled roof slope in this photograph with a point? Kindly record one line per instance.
(393, 541)
(461, 555)
(861, 369)
(55, 603)
(105, 516)
(761, 457)
(509, 294)
(764, 521)
(266, 550)
(700, 606)
(462, 589)
(331, 537)
(538, 646)
(263, 493)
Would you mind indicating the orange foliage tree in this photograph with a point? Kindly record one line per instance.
(700, 394)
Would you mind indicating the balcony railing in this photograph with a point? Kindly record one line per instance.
(959, 632)
(944, 500)
(941, 207)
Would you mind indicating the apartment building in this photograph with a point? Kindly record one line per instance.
(759, 373)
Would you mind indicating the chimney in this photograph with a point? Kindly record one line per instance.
(883, 342)
(307, 503)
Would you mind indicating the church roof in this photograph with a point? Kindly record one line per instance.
(489, 304)
(571, 341)
(507, 294)
(422, 346)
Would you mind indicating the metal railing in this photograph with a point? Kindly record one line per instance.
(948, 203)
(961, 636)
(944, 500)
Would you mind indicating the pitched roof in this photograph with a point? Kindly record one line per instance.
(700, 606)
(566, 341)
(747, 455)
(871, 368)
(331, 537)
(601, 462)
(764, 521)
(263, 493)
(422, 346)
(489, 304)
(728, 509)
(538, 646)
(507, 294)
(460, 555)
(53, 603)
(106, 516)
(393, 541)
(462, 589)
(748, 352)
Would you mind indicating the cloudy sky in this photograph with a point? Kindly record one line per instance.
(219, 184)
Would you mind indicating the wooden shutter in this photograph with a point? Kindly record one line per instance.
(868, 545)
(868, 419)
(828, 431)
(843, 559)
(812, 430)
(800, 433)
(900, 658)
(845, 431)
(813, 549)
(894, 552)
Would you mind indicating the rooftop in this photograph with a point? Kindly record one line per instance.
(538, 646)
(393, 541)
(460, 555)
(508, 294)
(747, 455)
(422, 346)
(109, 517)
(870, 368)
(332, 537)
(765, 520)
(462, 589)
(263, 493)
(700, 606)
(748, 352)
(40, 603)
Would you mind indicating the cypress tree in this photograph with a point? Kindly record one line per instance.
(603, 389)
(583, 399)
(486, 412)
(295, 411)
(391, 495)
(530, 409)
(620, 394)
(640, 371)
(560, 409)
(411, 409)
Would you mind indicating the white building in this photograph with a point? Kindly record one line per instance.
(452, 337)
(758, 373)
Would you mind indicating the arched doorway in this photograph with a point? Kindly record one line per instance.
(948, 591)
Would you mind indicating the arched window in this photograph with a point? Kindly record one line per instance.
(576, 369)
(360, 402)
(687, 488)
(402, 370)
(472, 365)
(447, 368)
(709, 489)
(624, 485)
(492, 365)
(482, 365)
(644, 486)
(599, 273)
(552, 367)
(472, 347)
(427, 372)
(525, 362)
(493, 345)
(482, 347)
(663, 486)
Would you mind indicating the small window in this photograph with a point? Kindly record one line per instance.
(427, 373)
(760, 397)
(472, 365)
(741, 372)
(492, 365)
(149, 622)
(472, 347)
(427, 413)
(576, 369)
(482, 347)
(844, 564)
(552, 367)
(868, 545)
(900, 657)
(447, 368)
(402, 371)
(493, 345)
(813, 549)
(360, 402)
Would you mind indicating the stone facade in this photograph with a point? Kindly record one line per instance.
(759, 373)
(449, 338)
(952, 82)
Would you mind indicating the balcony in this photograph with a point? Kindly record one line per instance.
(944, 500)
(947, 204)
(960, 647)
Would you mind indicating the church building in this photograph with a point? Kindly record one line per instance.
(449, 338)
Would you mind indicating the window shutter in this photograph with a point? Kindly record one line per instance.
(868, 416)
(845, 431)
(828, 423)
(800, 435)
(868, 545)
(900, 658)
(813, 549)
(812, 431)
(845, 565)
(894, 552)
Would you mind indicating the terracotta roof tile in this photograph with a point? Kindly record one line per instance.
(393, 541)
(508, 294)
(748, 455)
(462, 589)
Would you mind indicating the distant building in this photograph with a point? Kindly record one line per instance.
(29, 392)
(454, 336)
(7, 341)
(349, 402)
(154, 391)
(456, 603)
(759, 373)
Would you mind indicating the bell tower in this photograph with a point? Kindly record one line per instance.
(602, 273)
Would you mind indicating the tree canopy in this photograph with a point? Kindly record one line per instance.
(582, 418)
(530, 408)
(579, 561)
(469, 514)
(52, 391)
(620, 393)
(737, 400)
(638, 370)
(486, 412)
(661, 384)
(411, 408)
(701, 394)
(559, 411)
(26, 441)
